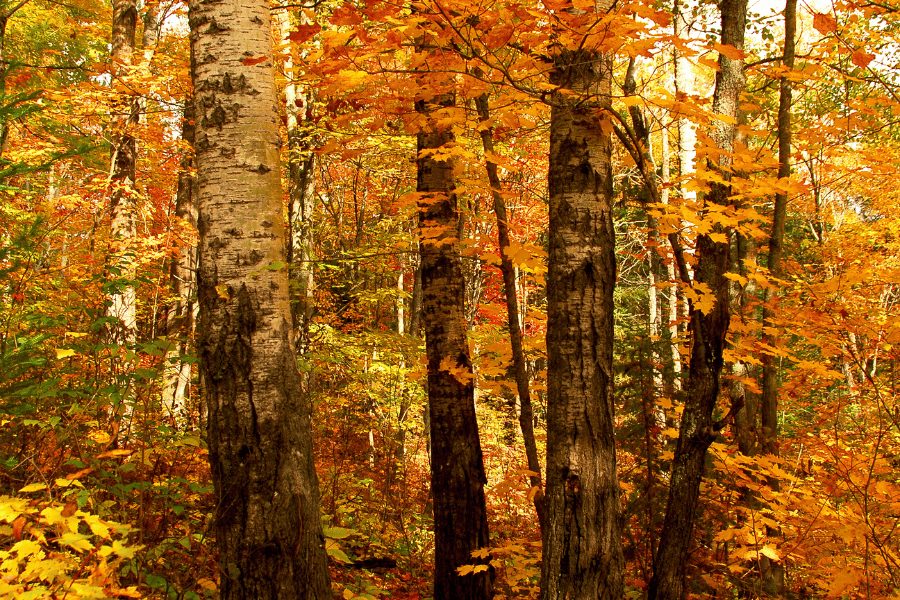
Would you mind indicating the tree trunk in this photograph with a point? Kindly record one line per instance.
(582, 548)
(301, 190)
(708, 330)
(180, 315)
(772, 572)
(457, 466)
(684, 89)
(687, 141)
(769, 400)
(122, 301)
(525, 412)
(267, 524)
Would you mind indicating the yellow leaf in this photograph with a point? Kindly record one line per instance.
(26, 548)
(33, 488)
(75, 541)
(64, 353)
(124, 551)
(769, 550)
(51, 515)
(97, 526)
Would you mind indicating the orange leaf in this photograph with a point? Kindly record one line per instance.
(114, 453)
(18, 524)
(824, 24)
(79, 474)
(69, 509)
(861, 59)
(303, 33)
(254, 61)
(729, 51)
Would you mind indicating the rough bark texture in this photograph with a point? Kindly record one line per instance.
(267, 524)
(582, 549)
(526, 412)
(457, 467)
(708, 331)
(180, 316)
(122, 176)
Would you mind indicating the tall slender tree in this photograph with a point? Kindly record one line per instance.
(301, 190)
(708, 329)
(122, 173)
(180, 314)
(773, 576)
(267, 523)
(582, 547)
(457, 464)
(508, 271)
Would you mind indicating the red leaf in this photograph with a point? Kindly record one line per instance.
(303, 33)
(254, 61)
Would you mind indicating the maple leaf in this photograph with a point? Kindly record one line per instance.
(861, 59)
(729, 51)
(304, 32)
(824, 24)
(770, 551)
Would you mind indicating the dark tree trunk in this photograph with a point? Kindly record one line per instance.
(708, 330)
(582, 548)
(769, 400)
(457, 467)
(526, 412)
(772, 572)
(267, 523)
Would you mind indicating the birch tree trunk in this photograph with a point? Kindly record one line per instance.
(301, 191)
(180, 316)
(582, 547)
(267, 522)
(122, 177)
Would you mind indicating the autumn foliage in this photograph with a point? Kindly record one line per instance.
(105, 490)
